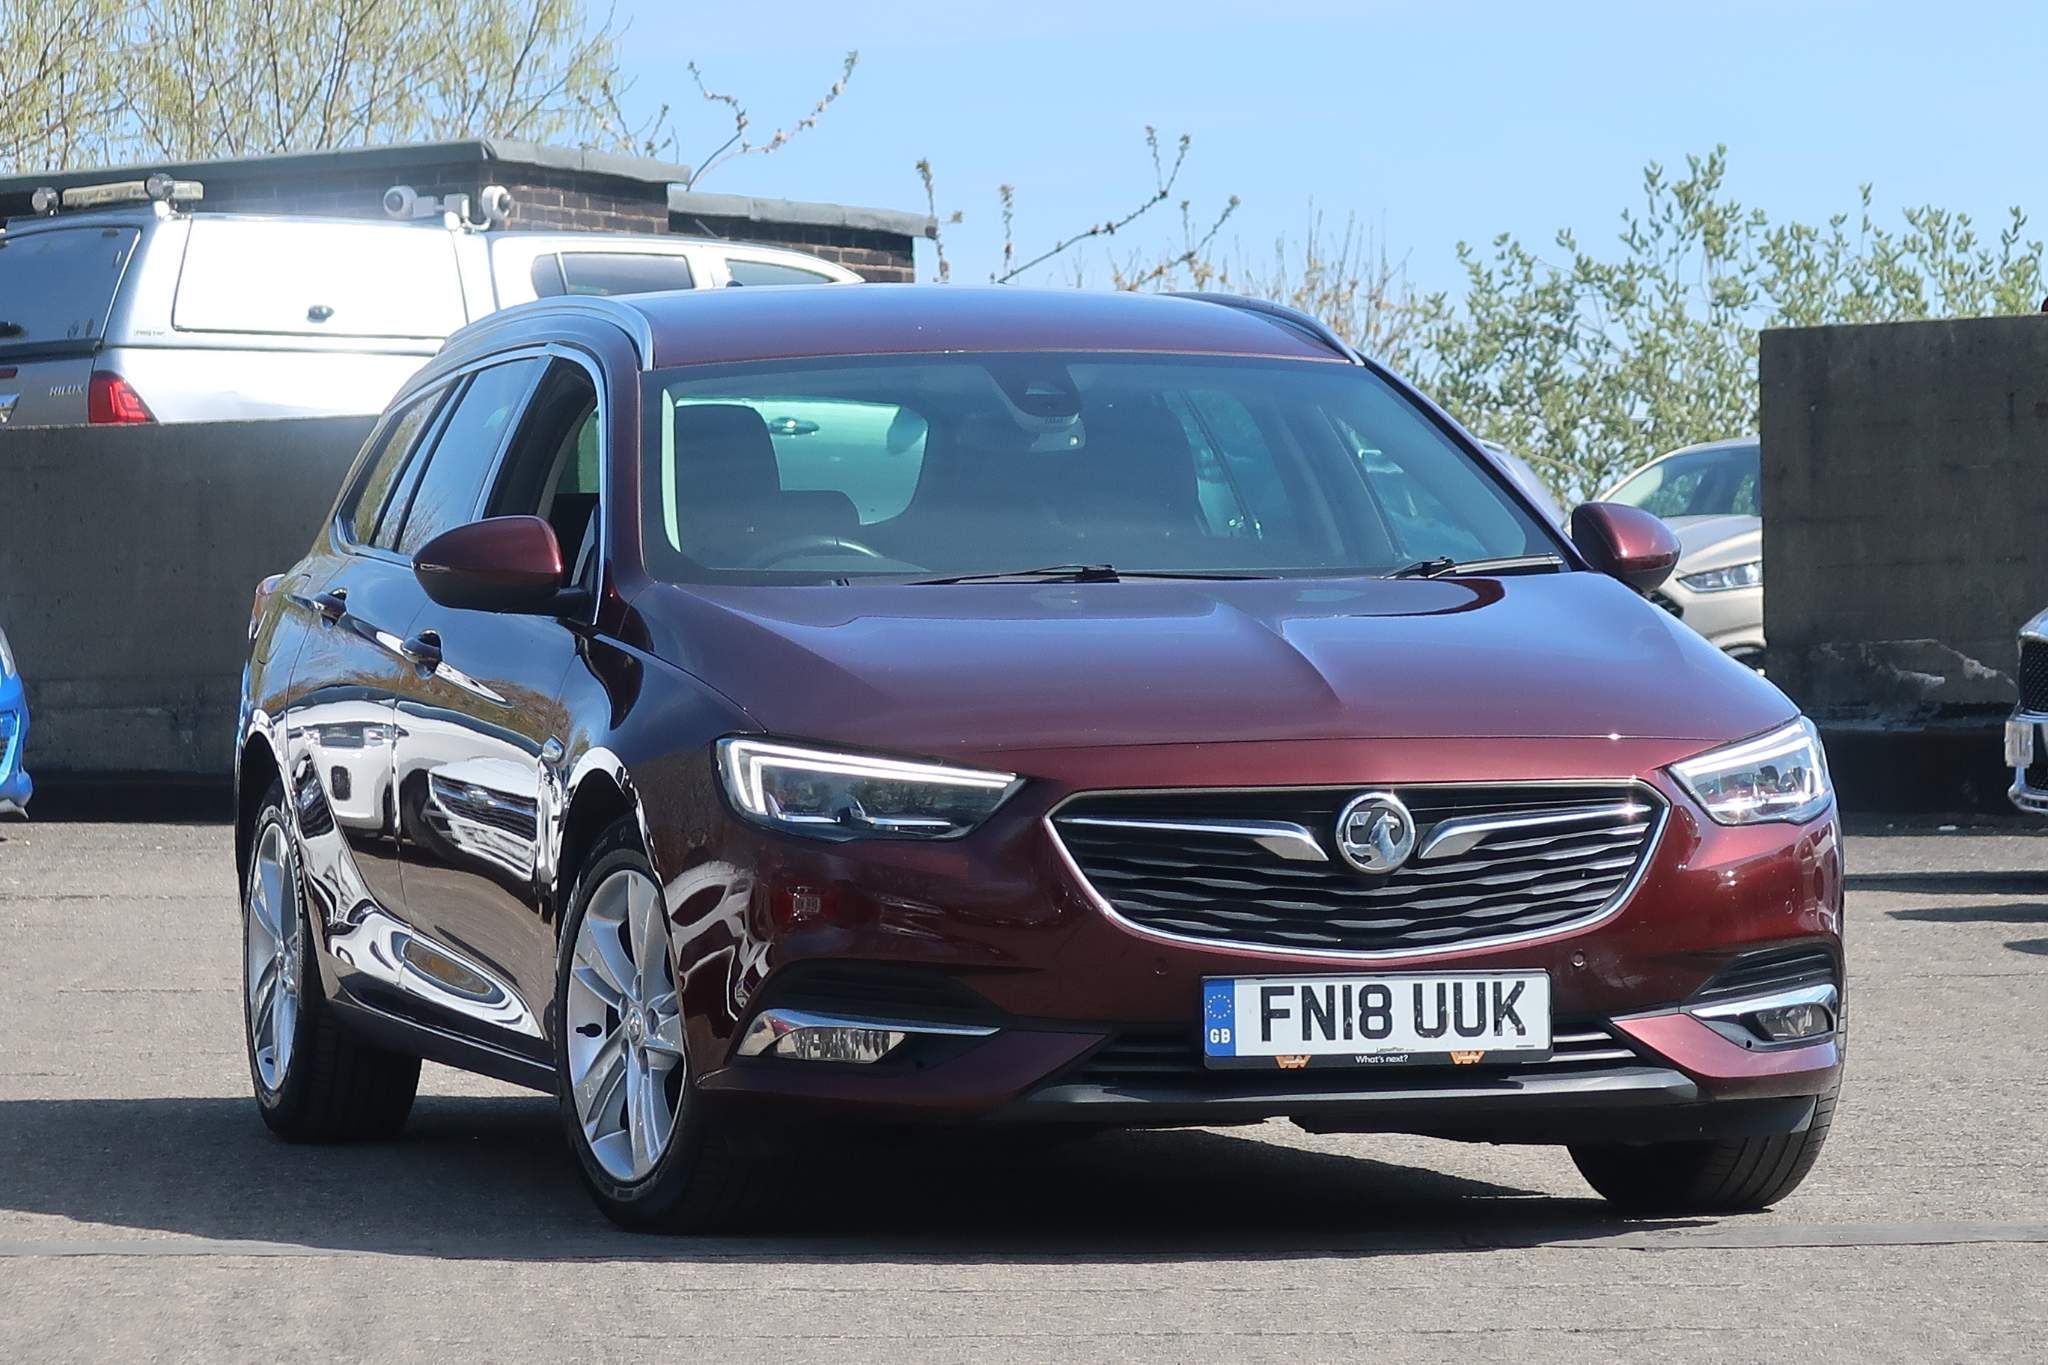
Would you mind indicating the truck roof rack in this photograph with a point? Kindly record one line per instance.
(158, 188)
(1293, 318)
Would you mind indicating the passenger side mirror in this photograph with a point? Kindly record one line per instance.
(1625, 542)
(503, 564)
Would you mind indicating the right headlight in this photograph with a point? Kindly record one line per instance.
(6, 657)
(833, 794)
(1779, 776)
(1749, 574)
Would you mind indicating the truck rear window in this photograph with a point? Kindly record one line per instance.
(319, 279)
(57, 286)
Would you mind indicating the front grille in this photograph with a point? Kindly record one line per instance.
(513, 815)
(1139, 1060)
(2034, 675)
(1775, 969)
(1668, 604)
(1226, 887)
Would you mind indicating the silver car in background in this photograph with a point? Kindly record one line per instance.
(1711, 495)
(145, 312)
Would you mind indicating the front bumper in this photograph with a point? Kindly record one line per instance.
(1074, 1016)
(15, 787)
(2026, 753)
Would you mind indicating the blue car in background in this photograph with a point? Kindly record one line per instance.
(14, 784)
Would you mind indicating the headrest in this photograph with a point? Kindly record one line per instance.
(723, 454)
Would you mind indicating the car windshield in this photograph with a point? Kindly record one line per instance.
(912, 467)
(1696, 483)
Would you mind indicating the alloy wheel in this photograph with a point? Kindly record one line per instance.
(624, 1027)
(273, 950)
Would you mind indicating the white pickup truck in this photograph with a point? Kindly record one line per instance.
(146, 312)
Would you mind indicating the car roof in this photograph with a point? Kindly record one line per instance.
(785, 322)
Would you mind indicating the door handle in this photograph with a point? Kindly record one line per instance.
(332, 606)
(423, 650)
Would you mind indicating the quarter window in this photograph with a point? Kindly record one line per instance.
(452, 484)
(744, 271)
(390, 447)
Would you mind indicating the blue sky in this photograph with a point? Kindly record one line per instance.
(1432, 122)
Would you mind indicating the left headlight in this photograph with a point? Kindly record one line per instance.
(6, 657)
(1746, 575)
(1779, 776)
(834, 794)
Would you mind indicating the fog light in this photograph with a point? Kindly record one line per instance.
(1790, 1022)
(802, 1036)
(1785, 1016)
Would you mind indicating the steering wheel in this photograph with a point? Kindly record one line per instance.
(790, 547)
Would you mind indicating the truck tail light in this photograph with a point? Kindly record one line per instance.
(111, 400)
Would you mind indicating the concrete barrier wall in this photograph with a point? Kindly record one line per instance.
(1905, 516)
(128, 558)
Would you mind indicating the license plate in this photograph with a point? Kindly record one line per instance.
(2019, 744)
(1301, 1021)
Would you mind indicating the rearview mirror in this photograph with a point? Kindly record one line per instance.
(1625, 542)
(504, 564)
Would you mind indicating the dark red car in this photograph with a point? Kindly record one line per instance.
(995, 707)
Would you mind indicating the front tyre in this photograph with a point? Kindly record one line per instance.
(1735, 1175)
(648, 1152)
(314, 1081)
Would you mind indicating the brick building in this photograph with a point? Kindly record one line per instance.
(551, 187)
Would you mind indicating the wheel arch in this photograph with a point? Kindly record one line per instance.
(256, 768)
(601, 792)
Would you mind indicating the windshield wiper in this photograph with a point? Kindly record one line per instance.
(1047, 573)
(1075, 573)
(1443, 566)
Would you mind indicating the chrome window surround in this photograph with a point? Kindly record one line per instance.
(1634, 788)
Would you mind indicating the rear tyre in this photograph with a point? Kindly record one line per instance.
(314, 1081)
(1736, 1175)
(649, 1150)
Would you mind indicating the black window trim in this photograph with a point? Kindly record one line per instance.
(589, 364)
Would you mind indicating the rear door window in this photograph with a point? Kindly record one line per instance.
(465, 452)
(319, 279)
(58, 286)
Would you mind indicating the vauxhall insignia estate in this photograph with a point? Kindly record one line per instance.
(734, 711)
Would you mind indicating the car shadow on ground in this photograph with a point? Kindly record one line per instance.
(492, 1178)
(2005, 912)
(1949, 883)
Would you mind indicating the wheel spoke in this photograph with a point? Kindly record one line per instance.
(593, 980)
(264, 1004)
(650, 945)
(284, 1018)
(665, 1042)
(270, 881)
(599, 951)
(599, 1084)
(636, 1108)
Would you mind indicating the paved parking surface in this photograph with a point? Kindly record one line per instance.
(144, 1211)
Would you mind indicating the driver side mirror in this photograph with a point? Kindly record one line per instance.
(501, 564)
(1625, 542)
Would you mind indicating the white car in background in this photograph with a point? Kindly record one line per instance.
(147, 313)
(1711, 495)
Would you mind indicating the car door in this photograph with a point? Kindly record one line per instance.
(351, 604)
(480, 721)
